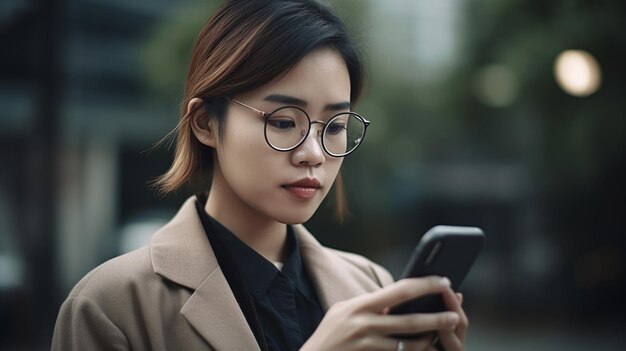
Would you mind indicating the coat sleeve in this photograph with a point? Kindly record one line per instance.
(82, 325)
(382, 275)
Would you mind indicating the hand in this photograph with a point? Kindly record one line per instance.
(361, 323)
(453, 339)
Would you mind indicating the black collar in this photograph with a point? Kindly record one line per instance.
(258, 272)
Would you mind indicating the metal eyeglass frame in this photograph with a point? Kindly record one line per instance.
(266, 117)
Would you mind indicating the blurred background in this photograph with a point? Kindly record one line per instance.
(503, 114)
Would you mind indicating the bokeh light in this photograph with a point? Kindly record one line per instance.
(577, 72)
(496, 85)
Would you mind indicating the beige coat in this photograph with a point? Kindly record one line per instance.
(172, 294)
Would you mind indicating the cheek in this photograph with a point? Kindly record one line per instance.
(333, 166)
(241, 144)
(247, 162)
(240, 162)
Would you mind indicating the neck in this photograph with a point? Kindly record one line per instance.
(263, 234)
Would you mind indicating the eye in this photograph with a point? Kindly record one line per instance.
(280, 122)
(336, 127)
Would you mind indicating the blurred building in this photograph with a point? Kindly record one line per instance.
(75, 117)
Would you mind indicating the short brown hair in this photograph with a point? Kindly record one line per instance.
(244, 45)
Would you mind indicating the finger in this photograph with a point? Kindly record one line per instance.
(450, 341)
(460, 298)
(377, 342)
(416, 344)
(452, 303)
(402, 291)
(413, 323)
(451, 300)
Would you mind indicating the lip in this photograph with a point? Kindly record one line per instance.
(304, 188)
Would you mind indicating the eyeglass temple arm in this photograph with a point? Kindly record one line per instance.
(261, 113)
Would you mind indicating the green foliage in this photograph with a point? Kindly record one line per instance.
(166, 52)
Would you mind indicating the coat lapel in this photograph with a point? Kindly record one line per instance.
(181, 253)
(335, 279)
(213, 311)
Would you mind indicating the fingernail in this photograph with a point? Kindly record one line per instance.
(445, 281)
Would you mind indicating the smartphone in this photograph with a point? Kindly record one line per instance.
(447, 251)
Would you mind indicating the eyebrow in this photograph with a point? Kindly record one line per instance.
(290, 100)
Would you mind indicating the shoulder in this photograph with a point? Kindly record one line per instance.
(121, 290)
(364, 265)
(101, 304)
(113, 277)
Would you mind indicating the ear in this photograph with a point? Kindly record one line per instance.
(203, 126)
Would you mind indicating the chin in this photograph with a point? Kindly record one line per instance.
(294, 216)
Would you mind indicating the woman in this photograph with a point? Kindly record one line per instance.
(265, 126)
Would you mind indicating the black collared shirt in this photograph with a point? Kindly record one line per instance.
(285, 302)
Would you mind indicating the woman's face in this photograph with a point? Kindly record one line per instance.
(283, 186)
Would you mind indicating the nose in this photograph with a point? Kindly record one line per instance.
(310, 152)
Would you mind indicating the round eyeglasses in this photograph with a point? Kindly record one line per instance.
(287, 127)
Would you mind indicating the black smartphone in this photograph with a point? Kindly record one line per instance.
(447, 251)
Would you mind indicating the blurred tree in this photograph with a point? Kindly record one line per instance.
(166, 52)
(574, 146)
